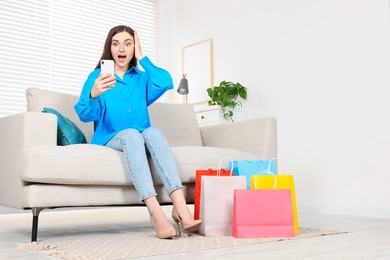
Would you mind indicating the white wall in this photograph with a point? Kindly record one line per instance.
(322, 68)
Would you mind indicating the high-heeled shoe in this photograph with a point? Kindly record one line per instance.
(191, 226)
(164, 234)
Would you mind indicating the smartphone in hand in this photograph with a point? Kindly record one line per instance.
(107, 66)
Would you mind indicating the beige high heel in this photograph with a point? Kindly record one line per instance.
(164, 234)
(191, 226)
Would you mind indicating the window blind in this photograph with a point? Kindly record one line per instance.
(55, 44)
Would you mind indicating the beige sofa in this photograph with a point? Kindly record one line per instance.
(37, 174)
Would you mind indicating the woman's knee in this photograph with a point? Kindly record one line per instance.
(131, 136)
(155, 138)
(152, 133)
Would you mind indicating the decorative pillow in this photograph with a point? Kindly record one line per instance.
(67, 131)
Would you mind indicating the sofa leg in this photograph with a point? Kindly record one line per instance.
(34, 233)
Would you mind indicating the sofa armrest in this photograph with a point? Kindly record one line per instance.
(257, 136)
(18, 132)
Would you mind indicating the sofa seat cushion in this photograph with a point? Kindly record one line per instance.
(87, 164)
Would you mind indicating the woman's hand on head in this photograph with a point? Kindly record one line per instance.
(137, 50)
(103, 83)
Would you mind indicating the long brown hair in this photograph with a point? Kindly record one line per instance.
(106, 55)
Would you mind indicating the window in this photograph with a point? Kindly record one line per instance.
(55, 44)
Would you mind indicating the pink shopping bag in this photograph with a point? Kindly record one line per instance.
(262, 182)
(216, 204)
(198, 184)
(262, 213)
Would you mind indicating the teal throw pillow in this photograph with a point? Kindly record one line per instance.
(67, 131)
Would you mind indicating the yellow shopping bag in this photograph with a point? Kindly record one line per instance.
(282, 182)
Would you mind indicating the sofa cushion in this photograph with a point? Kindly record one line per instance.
(86, 164)
(177, 121)
(38, 98)
(67, 132)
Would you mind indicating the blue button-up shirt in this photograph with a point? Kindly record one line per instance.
(126, 105)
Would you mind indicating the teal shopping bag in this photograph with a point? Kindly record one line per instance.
(252, 167)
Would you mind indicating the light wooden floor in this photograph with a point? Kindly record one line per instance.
(367, 238)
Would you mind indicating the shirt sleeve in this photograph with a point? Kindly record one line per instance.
(159, 80)
(87, 108)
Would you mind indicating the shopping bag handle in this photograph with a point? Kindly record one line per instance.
(220, 165)
(267, 172)
(264, 172)
(269, 164)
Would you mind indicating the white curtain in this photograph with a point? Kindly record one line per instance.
(55, 44)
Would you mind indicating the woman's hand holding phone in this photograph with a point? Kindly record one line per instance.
(104, 82)
(106, 79)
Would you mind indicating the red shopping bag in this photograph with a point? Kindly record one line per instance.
(198, 184)
(262, 213)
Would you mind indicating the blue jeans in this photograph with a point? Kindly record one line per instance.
(132, 143)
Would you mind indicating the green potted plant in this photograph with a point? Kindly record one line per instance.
(227, 95)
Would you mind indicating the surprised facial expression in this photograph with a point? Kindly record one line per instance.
(122, 50)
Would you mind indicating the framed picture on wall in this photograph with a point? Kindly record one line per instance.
(197, 65)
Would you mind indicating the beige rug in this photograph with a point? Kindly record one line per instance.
(139, 244)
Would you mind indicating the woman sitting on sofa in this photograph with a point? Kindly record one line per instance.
(118, 105)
